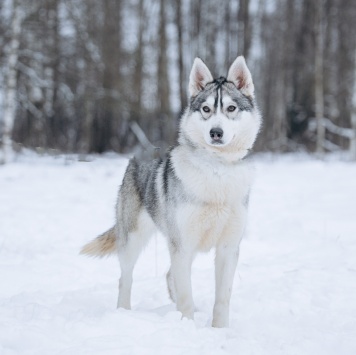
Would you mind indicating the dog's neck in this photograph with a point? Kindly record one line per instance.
(218, 155)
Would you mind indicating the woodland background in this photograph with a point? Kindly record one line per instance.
(92, 76)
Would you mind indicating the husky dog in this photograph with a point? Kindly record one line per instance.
(197, 197)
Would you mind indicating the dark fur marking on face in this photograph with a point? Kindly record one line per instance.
(218, 84)
(243, 102)
(197, 101)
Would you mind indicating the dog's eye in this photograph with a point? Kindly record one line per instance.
(206, 109)
(231, 108)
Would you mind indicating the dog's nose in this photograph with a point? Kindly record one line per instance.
(216, 133)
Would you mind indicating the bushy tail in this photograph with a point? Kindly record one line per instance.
(104, 245)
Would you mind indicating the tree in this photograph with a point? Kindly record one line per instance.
(244, 28)
(78, 74)
(319, 87)
(11, 81)
(352, 147)
(180, 29)
(163, 87)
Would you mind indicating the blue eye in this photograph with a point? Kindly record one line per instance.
(206, 109)
(231, 108)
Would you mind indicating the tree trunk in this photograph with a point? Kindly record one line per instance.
(228, 30)
(11, 82)
(110, 120)
(165, 128)
(196, 27)
(319, 89)
(353, 119)
(244, 31)
(52, 72)
(179, 24)
(136, 107)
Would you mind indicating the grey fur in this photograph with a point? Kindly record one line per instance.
(243, 102)
(139, 191)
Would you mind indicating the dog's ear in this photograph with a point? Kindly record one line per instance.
(241, 76)
(199, 76)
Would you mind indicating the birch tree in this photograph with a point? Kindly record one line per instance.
(10, 86)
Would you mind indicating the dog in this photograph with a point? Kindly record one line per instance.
(197, 196)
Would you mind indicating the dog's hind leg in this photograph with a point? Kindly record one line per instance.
(128, 255)
(170, 286)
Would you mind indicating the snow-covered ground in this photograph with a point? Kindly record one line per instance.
(294, 291)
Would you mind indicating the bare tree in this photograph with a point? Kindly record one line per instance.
(11, 81)
(244, 30)
(139, 62)
(319, 87)
(180, 29)
(353, 118)
(78, 77)
(163, 87)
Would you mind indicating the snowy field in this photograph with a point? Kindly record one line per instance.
(294, 290)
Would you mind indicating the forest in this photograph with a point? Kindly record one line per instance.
(90, 76)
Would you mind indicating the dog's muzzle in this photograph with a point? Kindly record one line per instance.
(216, 135)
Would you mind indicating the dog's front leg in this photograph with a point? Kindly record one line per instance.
(225, 266)
(181, 273)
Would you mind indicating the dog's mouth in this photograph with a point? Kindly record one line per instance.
(217, 142)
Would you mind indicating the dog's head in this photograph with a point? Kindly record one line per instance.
(222, 116)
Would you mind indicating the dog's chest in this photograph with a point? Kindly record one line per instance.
(213, 212)
(215, 195)
(211, 221)
(203, 224)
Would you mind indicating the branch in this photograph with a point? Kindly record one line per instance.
(142, 138)
(332, 147)
(333, 128)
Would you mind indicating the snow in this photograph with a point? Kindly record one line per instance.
(294, 290)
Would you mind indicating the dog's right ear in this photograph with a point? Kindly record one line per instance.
(199, 76)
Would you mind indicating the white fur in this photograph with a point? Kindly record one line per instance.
(239, 134)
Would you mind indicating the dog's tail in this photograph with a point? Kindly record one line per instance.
(104, 245)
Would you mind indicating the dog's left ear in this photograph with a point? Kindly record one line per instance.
(199, 76)
(241, 76)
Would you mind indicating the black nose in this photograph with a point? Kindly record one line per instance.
(216, 133)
